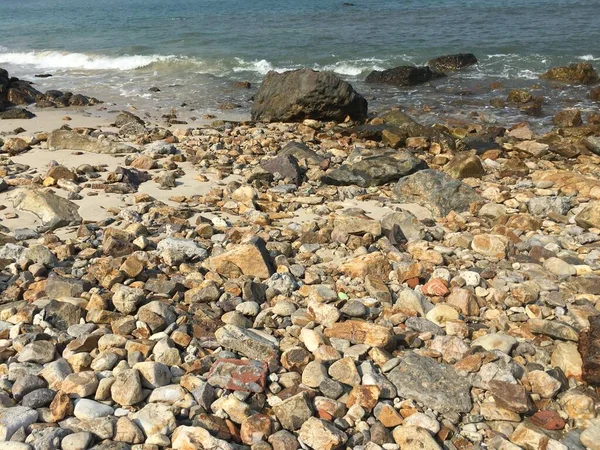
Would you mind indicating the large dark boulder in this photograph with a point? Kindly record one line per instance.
(451, 63)
(580, 73)
(306, 94)
(402, 76)
(436, 191)
(15, 113)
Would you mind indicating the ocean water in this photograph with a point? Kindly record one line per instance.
(194, 50)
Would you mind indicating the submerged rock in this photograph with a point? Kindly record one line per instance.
(579, 73)
(402, 76)
(449, 63)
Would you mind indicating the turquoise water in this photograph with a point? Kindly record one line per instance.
(194, 49)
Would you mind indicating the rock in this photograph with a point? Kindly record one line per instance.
(69, 140)
(79, 385)
(247, 342)
(53, 211)
(414, 438)
(293, 412)
(358, 332)
(589, 349)
(579, 73)
(38, 398)
(251, 258)
(153, 374)
(236, 375)
(255, 429)
(450, 63)
(127, 388)
(321, 435)
(58, 287)
(566, 357)
(155, 418)
(543, 384)
(567, 118)
(513, 397)
(77, 441)
(440, 314)
(126, 299)
(12, 419)
(465, 165)
(590, 437)
(284, 165)
(374, 171)
(39, 352)
(190, 438)
(16, 145)
(301, 151)
(592, 143)
(306, 94)
(437, 385)
(589, 217)
(436, 191)
(496, 341)
(529, 437)
(89, 409)
(489, 245)
(16, 113)
(185, 247)
(401, 76)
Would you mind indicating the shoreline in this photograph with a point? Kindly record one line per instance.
(366, 284)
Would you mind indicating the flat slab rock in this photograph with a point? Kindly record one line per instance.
(437, 386)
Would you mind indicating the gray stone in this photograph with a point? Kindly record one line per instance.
(53, 211)
(70, 140)
(438, 386)
(11, 419)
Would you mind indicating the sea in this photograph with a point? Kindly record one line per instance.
(194, 51)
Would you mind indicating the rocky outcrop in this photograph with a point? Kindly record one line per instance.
(402, 76)
(306, 94)
(579, 73)
(451, 63)
(53, 211)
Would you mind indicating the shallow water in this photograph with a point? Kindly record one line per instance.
(193, 50)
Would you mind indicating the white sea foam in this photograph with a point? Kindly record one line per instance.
(588, 58)
(65, 60)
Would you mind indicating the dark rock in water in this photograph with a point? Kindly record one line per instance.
(567, 118)
(306, 94)
(375, 170)
(436, 191)
(300, 151)
(448, 63)
(154, 89)
(43, 75)
(519, 96)
(242, 85)
(284, 165)
(17, 97)
(589, 348)
(402, 76)
(436, 385)
(16, 113)
(579, 73)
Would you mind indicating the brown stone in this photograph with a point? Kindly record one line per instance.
(589, 348)
(238, 375)
(513, 397)
(365, 396)
(255, 428)
(549, 420)
(358, 332)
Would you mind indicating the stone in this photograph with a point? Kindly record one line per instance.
(590, 437)
(358, 332)
(529, 437)
(567, 118)
(127, 388)
(12, 419)
(566, 357)
(38, 398)
(251, 258)
(126, 299)
(294, 411)
(155, 418)
(589, 349)
(589, 217)
(441, 313)
(53, 211)
(58, 287)
(39, 352)
(191, 438)
(364, 396)
(127, 431)
(284, 165)
(238, 375)
(465, 165)
(374, 171)
(543, 383)
(77, 441)
(579, 73)
(436, 191)
(70, 140)
(306, 94)
(401, 76)
(153, 374)
(450, 63)
(16, 113)
(513, 397)
(255, 429)
(489, 245)
(496, 341)
(410, 437)
(247, 342)
(436, 385)
(90, 409)
(319, 434)
(80, 385)
(344, 371)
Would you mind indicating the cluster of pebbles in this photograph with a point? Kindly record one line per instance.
(385, 285)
